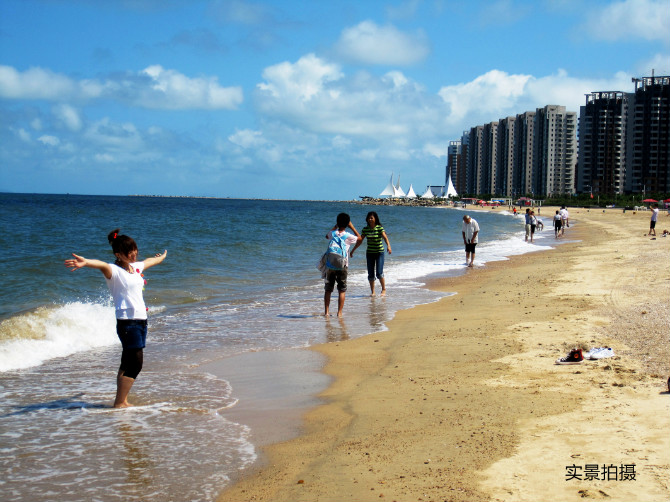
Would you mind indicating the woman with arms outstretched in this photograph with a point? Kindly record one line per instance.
(125, 281)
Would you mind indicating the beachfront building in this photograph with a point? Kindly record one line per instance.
(474, 168)
(601, 166)
(532, 153)
(458, 162)
(647, 136)
(556, 153)
(454, 163)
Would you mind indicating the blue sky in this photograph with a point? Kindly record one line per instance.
(291, 99)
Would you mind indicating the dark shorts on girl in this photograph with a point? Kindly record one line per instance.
(132, 333)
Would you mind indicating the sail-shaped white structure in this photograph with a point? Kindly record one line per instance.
(389, 191)
(399, 192)
(428, 194)
(450, 190)
(411, 194)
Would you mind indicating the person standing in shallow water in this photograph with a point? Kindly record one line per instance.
(125, 282)
(374, 254)
(470, 231)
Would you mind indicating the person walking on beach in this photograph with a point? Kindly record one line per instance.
(527, 226)
(557, 224)
(374, 231)
(125, 282)
(533, 225)
(470, 231)
(565, 219)
(652, 222)
(337, 273)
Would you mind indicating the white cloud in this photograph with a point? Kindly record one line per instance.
(115, 137)
(169, 89)
(368, 43)
(317, 97)
(153, 87)
(69, 116)
(494, 92)
(24, 135)
(247, 138)
(38, 83)
(49, 140)
(645, 19)
(659, 62)
(497, 94)
(301, 80)
(341, 142)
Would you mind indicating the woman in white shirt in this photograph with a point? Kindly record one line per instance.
(125, 281)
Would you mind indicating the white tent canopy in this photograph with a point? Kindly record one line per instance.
(399, 192)
(392, 190)
(428, 194)
(410, 193)
(451, 191)
(389, 190)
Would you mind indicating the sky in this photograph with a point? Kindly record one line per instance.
(309, 100)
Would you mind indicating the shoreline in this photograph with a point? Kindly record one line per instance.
(452, 402)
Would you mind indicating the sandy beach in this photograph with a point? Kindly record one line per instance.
(460, 400)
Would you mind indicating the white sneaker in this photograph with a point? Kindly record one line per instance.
(591, 353)
(603, 353)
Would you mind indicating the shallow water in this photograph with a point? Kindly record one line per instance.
(240, 277)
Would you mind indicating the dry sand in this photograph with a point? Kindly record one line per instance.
(461, 400)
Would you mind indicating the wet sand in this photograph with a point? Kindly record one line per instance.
(461, 400)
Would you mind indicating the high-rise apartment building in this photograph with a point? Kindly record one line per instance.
(648, 136)
(602, 143)
(454, 163)
(556, 150)
(624, 139)
(532, 153)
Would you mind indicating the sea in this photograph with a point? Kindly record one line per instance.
(240, 277)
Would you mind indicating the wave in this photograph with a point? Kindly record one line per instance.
(31, 338)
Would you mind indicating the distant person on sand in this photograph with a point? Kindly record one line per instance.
(565, 219)
(557, 224)
(374, 254)
(533, 225)
(126, 282)
(338, 273)
(470, 231)
(652, 222)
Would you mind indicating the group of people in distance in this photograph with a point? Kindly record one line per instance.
(376, 235)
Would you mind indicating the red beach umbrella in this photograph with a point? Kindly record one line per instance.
(649, 200)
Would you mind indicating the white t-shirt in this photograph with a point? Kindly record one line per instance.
(564, 214)
(654, 214)
(470, 229)
(126, 291)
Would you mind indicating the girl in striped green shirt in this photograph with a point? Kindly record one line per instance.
(374, 231)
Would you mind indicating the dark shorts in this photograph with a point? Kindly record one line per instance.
(557, 224)
(336, 276)
(470, 248)
(652, 224)
(132, 333)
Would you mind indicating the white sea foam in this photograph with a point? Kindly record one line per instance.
(29, 339)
